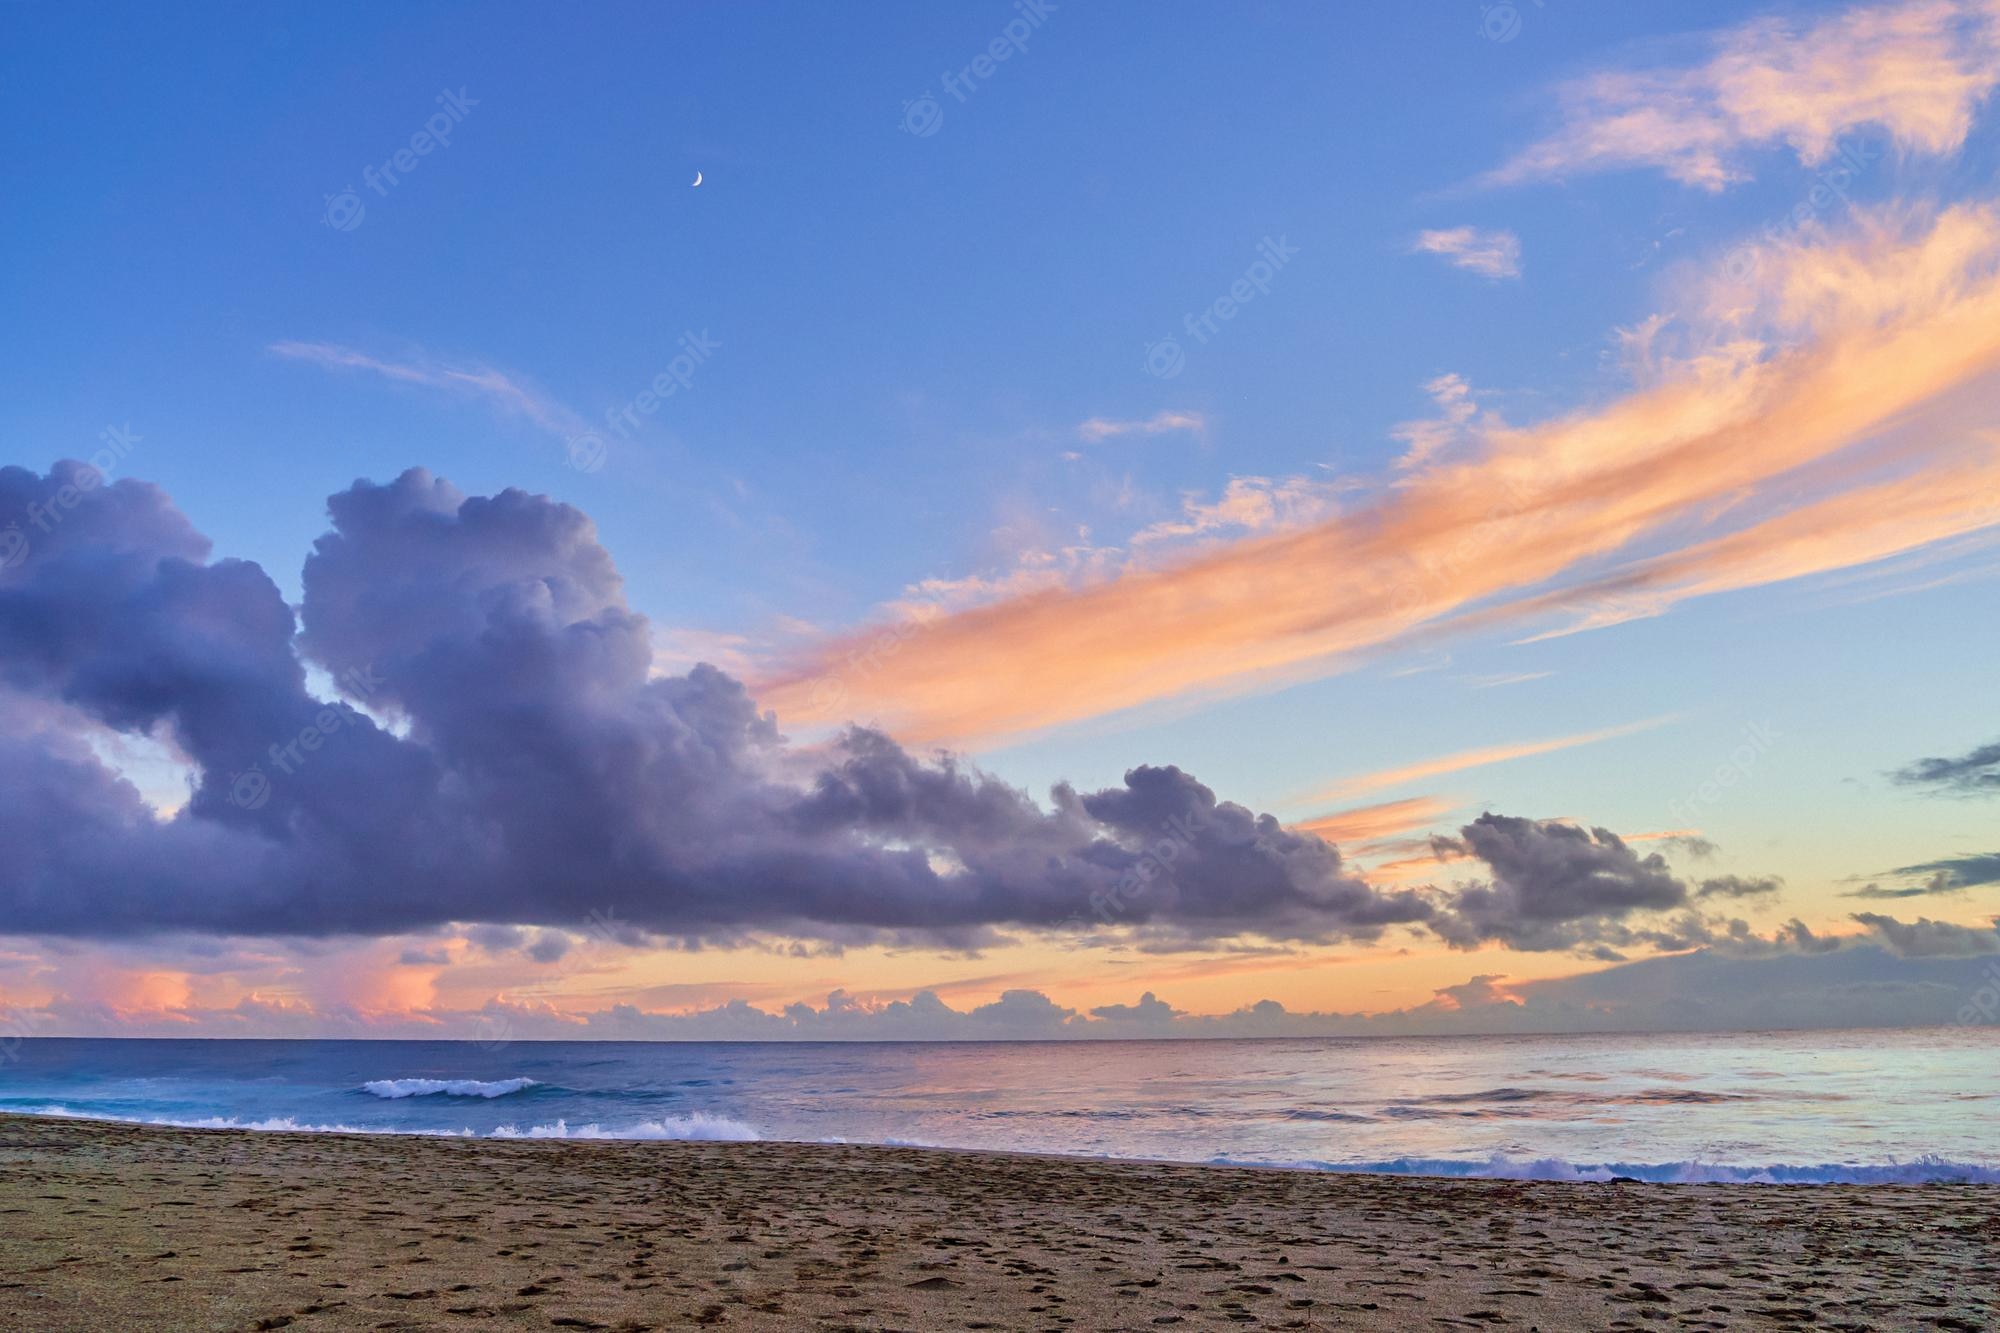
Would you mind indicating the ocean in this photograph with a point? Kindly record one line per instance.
(1864, 1107)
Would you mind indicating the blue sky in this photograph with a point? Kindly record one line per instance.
(910, 329)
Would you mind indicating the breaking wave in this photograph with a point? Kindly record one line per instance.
(699, 1125)
(445, 1087)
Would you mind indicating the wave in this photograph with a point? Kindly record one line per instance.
(1924, 1170)
(698, 1125)
(445, 1087)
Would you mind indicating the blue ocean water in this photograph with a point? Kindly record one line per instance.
(1879, 1106)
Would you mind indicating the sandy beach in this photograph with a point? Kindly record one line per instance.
(110, 1226)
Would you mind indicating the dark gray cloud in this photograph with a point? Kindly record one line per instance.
(503, 754)
(1976, 773)
(1557, 886)
(1952, 874)
(1738, 886)
(1957, 872)
(1925, 938)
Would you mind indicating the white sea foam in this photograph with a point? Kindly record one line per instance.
(277, 1124)
(699, 1125)
(1924, 1170)
(445, 1087)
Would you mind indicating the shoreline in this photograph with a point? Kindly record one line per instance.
(242, 1229)
(1523, 1170)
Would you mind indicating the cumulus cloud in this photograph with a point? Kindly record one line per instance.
(1975, 773)
(518, 762)
(1555, 886)
(1491, 254)
(1918, 70)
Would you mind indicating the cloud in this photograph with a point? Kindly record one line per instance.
(1737, 886)
(1952, 874)
(1478, 758)
(1428, 438)
(1961, 872)
(521, 763)
(1554, 886)
(1827, 414)
(1246, 505)
(1925, 938)
(1491, 254)
(1918, 70)
(1100, 428)
(1383, 820)
(483, 382)
(1975, 773)
(1707, 991)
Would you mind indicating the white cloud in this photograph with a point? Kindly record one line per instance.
(500, 390)
(1491, 254)
(1102, 428)
(1917, 69)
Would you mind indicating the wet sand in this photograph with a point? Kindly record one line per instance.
(106, 1226)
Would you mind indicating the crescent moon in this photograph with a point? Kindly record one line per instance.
(697, 178)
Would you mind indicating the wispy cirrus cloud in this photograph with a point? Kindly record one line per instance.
(1781, 428)
(1917, 69)
(496, 388)
(1490, 254)
(1160, 423)
(1480, 757)
(1384, 819)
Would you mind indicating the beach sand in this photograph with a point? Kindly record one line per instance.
(108, 1226)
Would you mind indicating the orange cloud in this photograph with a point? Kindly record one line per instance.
(1479, 758)
(1917, 69)
(1377, 821)
(1784, 394)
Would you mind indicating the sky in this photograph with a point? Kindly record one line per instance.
(1260, 518)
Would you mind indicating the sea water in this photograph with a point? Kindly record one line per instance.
(1870, 1107)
